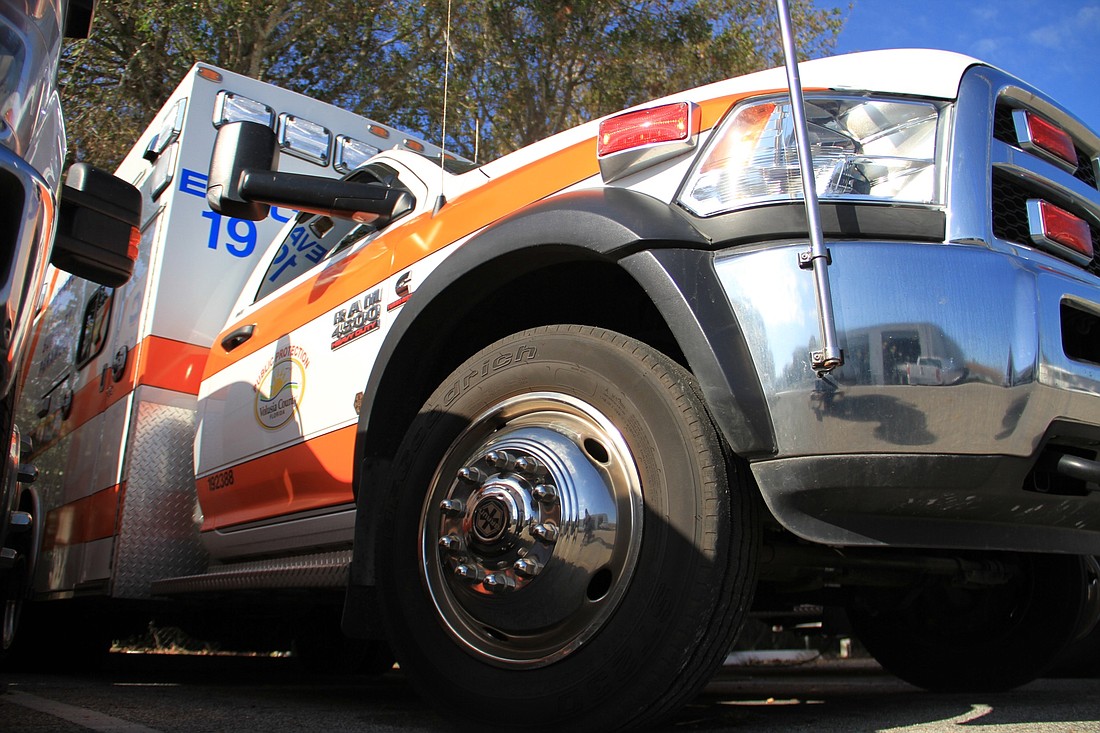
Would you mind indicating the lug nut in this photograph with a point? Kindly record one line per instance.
(450, 543)
(545, 532)
(472, 474)
(500, 460)
(544, 494)
(527, 567)
(469, 573)
(528, 465)
(451, 506)
(499, 583)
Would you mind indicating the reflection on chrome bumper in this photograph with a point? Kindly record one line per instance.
(958, 369)
(991, 322)
(27, 210)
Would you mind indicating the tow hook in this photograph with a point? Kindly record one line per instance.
(1075, 467)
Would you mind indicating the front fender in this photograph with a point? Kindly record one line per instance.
(651, 246)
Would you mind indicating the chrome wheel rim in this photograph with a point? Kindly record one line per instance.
(531, 530)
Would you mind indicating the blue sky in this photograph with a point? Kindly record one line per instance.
(1053, 44)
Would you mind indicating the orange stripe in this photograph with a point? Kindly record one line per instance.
(173, 365)
(423, 235)
(412, 241)
(308, 475)
(94, 517)
(157, 362)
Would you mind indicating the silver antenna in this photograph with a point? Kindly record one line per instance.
(817, 259)
(441, 200)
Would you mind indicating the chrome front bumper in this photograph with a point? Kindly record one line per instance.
(873, 453)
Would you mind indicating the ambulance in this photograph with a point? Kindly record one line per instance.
(82, 222)
(550, 426)
(109, 401)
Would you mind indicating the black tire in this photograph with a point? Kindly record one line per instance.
(59, 640)
(946, 638)
(636, 600)
(13, 594)
(16, 583)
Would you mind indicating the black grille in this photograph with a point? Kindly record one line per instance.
(1010, 197)
(1005, 130)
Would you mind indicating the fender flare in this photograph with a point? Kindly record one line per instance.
(654, 243)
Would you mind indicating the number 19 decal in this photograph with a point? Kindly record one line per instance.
(241, 234)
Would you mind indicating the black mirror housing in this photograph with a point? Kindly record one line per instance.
(98, 221)
(239, 148)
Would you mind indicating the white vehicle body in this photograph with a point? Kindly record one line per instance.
(111, 391)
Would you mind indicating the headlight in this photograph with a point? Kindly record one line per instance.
(863, 149)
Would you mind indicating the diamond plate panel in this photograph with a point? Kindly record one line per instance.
(319, 570)
(159, 528)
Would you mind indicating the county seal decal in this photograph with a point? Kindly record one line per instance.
(281, 387)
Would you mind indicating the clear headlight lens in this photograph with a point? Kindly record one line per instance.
(863, 149)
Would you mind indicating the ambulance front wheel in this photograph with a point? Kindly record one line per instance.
(568, 539)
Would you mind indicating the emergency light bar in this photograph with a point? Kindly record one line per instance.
(304, 139)
(230, 107)
(351, 153)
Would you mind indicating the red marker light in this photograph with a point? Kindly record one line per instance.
(132, 248)
(1051, 224)
(667, 123)
(1034, 132)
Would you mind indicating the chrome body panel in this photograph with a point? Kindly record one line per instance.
(29, 107)
(887, 449)
(863, 456)
(28, 216)
(32, 151)
(995, 316)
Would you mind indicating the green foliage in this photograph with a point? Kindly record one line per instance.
(518, 71)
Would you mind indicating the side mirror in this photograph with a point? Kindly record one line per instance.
(98, 222)
(242, 183)
(240, 148)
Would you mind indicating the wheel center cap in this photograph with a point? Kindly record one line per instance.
(490, 520)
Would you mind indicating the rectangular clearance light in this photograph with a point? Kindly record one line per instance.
(667, 123)
(230, 107)
(1059, 231)
(1038, 135)
(351, 153)
(304, 139)
(631, 141)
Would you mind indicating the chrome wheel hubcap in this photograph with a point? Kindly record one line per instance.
(531, 531)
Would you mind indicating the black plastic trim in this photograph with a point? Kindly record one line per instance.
(925, 500)
(838, 221)
(686, 290)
